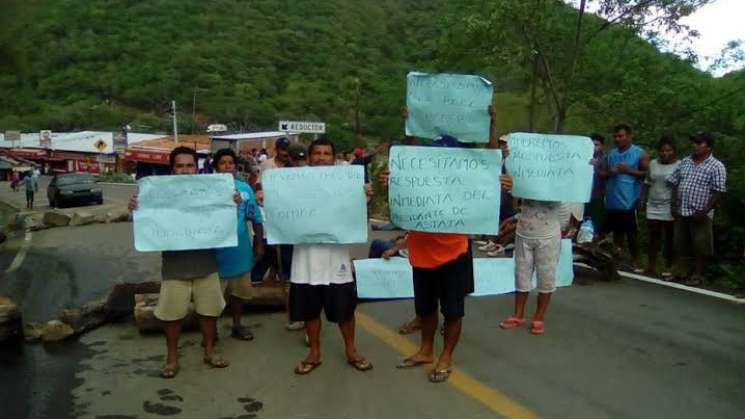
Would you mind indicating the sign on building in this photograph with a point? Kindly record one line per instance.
(12, 135)
(303, 126)
(45, 138)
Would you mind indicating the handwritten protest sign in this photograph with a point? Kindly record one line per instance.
(550, 167)
(452, 104)
(185, 212)
(380, 278)
(446, 190)
(315, 205)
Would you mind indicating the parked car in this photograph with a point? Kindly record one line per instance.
(73, 187)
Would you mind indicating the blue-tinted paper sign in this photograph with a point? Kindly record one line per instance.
(380, 278)
(452, 104)
(448, 190)
(315, 205)
(184, 212)
(550, 167)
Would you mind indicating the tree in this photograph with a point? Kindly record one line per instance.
(535, 35)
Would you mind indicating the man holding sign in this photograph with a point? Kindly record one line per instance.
(187, 275)
(321, 279)
(442, 262)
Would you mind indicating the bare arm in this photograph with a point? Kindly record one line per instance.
(493, 140)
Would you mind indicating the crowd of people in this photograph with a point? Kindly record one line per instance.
(678, 197)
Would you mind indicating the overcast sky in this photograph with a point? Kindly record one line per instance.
(718, 23)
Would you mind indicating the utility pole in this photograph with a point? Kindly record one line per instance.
(194, 110)
(175, 123)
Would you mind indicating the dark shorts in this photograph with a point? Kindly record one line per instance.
(449, 284)
(621, 221)
(338, 301)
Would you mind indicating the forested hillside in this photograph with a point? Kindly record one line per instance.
(100, 64)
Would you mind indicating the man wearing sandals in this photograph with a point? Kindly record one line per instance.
(321, 279)
(698, 183)
(235, 263)
(187, 275)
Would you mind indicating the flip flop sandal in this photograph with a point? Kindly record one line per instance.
(512, 322)
(169, 370)
(439, 376)
(361, 364)
(411, 363)
(306, 367)
(216, 361)
(537, 327)
(242, 333)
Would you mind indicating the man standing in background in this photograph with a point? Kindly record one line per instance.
(627, 166)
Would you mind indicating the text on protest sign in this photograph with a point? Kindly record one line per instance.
(550, 167)
(393, 278)
(446, 190)
(452, 104)
(185, 212)
(315, 205)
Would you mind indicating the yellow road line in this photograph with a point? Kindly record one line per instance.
(494, 400)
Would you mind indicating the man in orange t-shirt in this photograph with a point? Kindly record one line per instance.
(443, 272)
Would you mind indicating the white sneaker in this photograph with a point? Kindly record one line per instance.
(498, 251)
(488, 247)
(294, 326)
(480, 242)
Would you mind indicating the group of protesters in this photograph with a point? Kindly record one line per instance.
(680, 197)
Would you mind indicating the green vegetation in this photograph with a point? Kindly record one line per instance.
(100, 64)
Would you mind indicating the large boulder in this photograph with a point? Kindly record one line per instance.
(32, 332)
(121, 300)
(80, 218)
(87, 317)
(144, 313)
(117, 215)
(55, 330)
(10, 319)
(56, 219)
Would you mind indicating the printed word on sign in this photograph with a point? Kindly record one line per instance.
(303, 126)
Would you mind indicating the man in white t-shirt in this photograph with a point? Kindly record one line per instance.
(321, 279)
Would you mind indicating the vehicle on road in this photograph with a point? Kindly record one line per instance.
(68, 188)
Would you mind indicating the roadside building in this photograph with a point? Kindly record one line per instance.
(85, 151)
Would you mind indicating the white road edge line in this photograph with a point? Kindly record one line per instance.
(675, 285)
(21, 255)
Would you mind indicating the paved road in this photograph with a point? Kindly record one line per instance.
(612, 350)
(114, 196)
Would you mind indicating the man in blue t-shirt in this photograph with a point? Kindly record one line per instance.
(235, 263)
(625, 170)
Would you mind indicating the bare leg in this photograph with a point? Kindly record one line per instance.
(540, 311)
(426, 349)
(655, 232)
(172, 331)
(236, 310)
(313, 330)
(633, 247)
(521, 298)
(452, 335)
(208, 325)
(347, 333)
